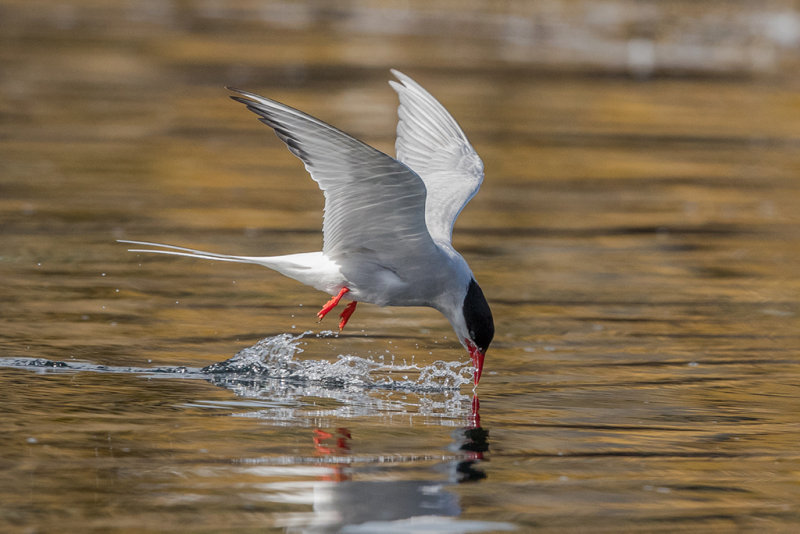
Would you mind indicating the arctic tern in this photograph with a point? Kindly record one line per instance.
(388, 221)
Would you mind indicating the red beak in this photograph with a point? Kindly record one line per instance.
(477, 360)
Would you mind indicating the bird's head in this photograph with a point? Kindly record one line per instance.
(474, 326)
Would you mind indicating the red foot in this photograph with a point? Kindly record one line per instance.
(331, 304)
(346, 313)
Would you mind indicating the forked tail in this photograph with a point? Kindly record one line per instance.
(172, 250)
(311, 268)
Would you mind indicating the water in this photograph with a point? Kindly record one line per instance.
(273, 369)
(636, 237)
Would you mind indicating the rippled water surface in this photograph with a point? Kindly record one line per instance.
(636, 237)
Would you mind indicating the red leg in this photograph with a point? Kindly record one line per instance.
(331, 303)
(346, 313)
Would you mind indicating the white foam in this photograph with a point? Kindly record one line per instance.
(275, 357)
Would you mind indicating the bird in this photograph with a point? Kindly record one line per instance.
(388, 221)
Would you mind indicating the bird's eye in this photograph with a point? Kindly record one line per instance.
(472, 334)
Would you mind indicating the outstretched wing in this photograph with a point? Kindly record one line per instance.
(374, 204)
(432, 143)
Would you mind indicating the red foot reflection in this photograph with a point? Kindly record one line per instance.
(333, 444)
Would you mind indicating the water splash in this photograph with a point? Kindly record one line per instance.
(275, 357)
(275, 385)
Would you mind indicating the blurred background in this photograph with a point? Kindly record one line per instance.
(636, 236)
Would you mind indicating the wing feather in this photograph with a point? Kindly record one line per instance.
(374, 204)
(432, 143)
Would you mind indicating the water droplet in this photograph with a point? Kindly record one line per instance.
(274, 357)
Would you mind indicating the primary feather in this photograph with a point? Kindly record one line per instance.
(431, 142)
(360, 184)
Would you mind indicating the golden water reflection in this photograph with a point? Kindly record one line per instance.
(636, 236)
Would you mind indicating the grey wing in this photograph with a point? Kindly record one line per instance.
(432, 143)
(374, 204)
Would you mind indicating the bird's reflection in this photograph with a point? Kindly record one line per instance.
(352, 491)
(473, 441)
(342, 500)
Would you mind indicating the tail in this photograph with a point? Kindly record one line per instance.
(172, 250)
(311, 268)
